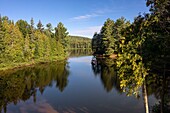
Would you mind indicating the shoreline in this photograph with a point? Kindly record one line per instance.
(17, 66)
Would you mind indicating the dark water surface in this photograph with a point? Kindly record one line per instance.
(74, 86)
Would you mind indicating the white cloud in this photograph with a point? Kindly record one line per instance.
(94, 13)
(87, 16)
(88, 32)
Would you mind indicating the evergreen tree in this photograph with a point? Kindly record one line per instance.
(20, 42)
(27, 49)
(32, 23)
(61, 35)
(49, 26)
(40, 26)
(39, 45)
(47, 47)
(24, 27)
(97, 44)
(75, 41)
(13, 43)
(5, 18)
(106, 33)
(49, 30)
(2, 45)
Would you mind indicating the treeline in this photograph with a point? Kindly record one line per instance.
(78, 42)
(22, 41)
(153, 26)
(142, 47)
(107, 42)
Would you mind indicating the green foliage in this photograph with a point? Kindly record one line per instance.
(49, 26)
(61, 36)
(142, 47)
(78, 42)
(40, 26)
(96, 44)
(32, 23)
(13, 41)
(24, 27)
(21, 42)
(2, 47)
(106, 33)
(108, 40)
(28, 54)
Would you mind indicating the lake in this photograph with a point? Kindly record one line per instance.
(73, 86)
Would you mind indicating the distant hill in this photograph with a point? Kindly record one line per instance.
(80, 37)
(79, 42)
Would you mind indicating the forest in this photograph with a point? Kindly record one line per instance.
(23, 43)
(141, 48)
(78, 42)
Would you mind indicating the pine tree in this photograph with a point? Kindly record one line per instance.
(27, 49)
(13, 43)
(20, 42)
(39, 45)
(32, 23)
(96, 44)
(49, 31)
(49, 26)
(61, 35)
(2, 45)
(106, 33)
(47, 46)
(40, 26)
(24, 27)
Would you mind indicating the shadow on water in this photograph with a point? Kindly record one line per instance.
(80, 52)
(105, 68)
(22, 84)
(156, 83)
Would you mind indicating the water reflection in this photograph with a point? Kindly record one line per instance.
(105, 68)
(80, 52)
(159, 86)
(155, 83)
(22, 84)
(76, 84)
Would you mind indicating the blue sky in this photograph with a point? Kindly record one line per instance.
(80, 17)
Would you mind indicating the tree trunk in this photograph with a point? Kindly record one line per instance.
(145, 98)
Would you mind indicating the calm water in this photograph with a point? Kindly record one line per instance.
(74, 86)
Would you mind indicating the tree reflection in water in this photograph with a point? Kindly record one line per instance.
(105, 68)
(80, 52)
(155, 83)
(159, 86)
(22, 84)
